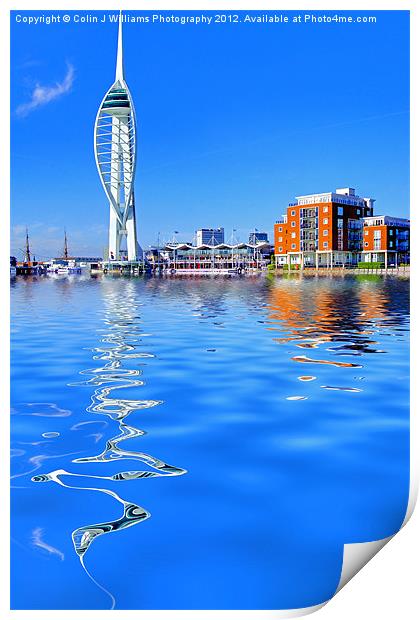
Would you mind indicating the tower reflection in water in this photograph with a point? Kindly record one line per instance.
(122, 338)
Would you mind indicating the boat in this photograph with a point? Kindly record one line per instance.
(67, 270)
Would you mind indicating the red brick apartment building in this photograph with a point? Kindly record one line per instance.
(322, 230)
(386, 240)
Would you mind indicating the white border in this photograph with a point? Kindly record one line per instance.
(396, 566)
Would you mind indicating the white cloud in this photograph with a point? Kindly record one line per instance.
(42, 95)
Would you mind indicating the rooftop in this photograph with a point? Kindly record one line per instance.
(344, 195)
(386, 220)
(221, 246)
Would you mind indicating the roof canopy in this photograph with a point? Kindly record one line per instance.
(222, 246)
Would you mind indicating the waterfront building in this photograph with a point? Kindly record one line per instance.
(257, 237)
(386, 240)
(115, 154)
(322, 230)
(223, 257)
(210, 236)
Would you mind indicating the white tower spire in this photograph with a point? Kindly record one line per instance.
(115, 154)
(119, 72)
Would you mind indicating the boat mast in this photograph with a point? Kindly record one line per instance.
(27, 250)
(66, 249)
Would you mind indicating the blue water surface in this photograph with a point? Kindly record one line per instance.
(274, 412)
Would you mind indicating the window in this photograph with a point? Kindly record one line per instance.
(339, 210)
(358, 211)
(391, 232)
(366, 233)
(325, 233)
(293, 224)
(325, 244)
(293, 246)
(325, 220)
(280, 249)
(292, 213)
(325, 209)
(293, 235)
(280, 239)
(391, 244)
(376, 234)
(366, 244)
(280, 229)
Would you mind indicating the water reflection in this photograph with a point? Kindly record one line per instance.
(123, 340)
(38, 541)
(309, 360)
(329, 311)
(266, 437)
(344, 314)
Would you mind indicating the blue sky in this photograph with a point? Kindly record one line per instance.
(234, 121)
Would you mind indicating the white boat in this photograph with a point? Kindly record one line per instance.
(67, 269)
(64, 268)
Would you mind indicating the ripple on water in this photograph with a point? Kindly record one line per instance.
(341, 389)
(230, 428)
(42, 410)
(309, 360)
(106, 383)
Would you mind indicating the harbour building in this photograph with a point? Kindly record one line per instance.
(185, 258)
(386, 240)
(322, 230)
(220, 258)
(257, 236)
(210, 236)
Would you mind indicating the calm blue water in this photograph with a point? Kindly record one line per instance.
(266, 461)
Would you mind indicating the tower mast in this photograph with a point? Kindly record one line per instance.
(119, 70)
(115, 154)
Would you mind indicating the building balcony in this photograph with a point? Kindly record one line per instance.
(308, 213)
